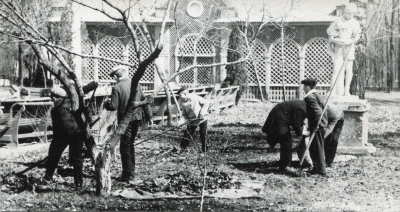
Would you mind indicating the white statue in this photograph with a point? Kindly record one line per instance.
(343, 33)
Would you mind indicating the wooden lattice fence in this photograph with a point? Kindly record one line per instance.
(114, 43)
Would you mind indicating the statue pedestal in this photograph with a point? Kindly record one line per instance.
(354, 137)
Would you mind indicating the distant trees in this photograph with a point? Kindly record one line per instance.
(382, 44)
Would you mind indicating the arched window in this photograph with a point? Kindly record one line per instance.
(289, 59)
(87, 63)
(112, 48)
(318, 63)
(256, 63)
(148, 76)
(196, 50)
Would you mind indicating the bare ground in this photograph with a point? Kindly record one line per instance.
(237, 151)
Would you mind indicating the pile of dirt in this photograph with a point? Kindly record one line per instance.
(185, 183)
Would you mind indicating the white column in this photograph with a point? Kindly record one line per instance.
(267, 74)
(96, 62)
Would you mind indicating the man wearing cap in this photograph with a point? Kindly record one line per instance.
(121, 100)
(314, 108)
(284, 115)
(67, 132)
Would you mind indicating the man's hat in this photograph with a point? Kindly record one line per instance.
(115, 69)
(24, 92)
(309, 81)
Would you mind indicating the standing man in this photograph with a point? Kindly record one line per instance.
(284, 115)
(66, 131)
(314, 108)
(194, 111)
(121, 100)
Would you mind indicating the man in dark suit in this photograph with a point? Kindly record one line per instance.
(121, 100)
(331, 137)
(67, 131)
(284, 115)
(314, 108)
(332, 134)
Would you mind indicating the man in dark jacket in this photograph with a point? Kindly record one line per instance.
(314, 108)
(121, 100)
(284, 115)
(66, 131)
(332, 134)
(331, 137)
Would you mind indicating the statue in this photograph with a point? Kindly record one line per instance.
(343, 33)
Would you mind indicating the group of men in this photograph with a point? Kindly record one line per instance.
(68, 132)
(326, 128)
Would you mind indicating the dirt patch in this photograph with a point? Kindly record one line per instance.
(238, 151)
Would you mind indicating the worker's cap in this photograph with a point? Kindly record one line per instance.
(309, 81)
(14, 87)
(117, 71)
(182, 89)
(24, 92)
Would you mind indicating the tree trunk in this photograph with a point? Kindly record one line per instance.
(389, 70)
(104, 159)
(398, 45)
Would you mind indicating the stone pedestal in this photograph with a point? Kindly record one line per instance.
(354, 136)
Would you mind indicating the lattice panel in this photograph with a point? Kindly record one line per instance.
(110, 48)
(318, 63)
(257, 59)
(188, 76)
(276, 93)
(87, 63)
(205, 74)
(291, 63)
(203, 46)
(145, 49)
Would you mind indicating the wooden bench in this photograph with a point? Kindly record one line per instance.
(12, 122)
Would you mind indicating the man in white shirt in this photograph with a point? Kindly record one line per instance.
(194, 111)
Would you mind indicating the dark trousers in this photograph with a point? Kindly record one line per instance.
(317, 152)
(331, 142)
(127, 149)
(189, 132)
(285, 150)
(57, 146)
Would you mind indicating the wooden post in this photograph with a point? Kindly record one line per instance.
(267, 75)
(258, 81)
(302, 71)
